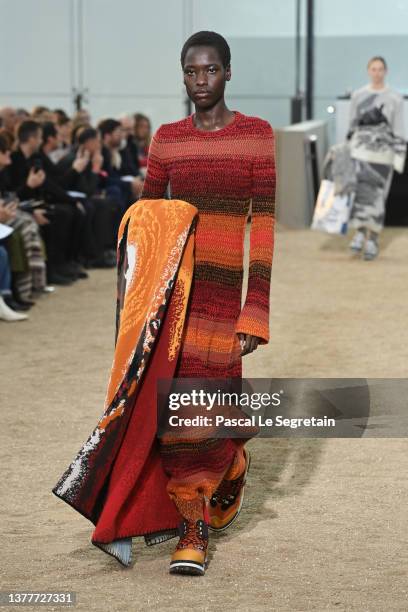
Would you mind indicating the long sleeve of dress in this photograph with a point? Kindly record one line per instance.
(398, 124)
(157, 178)
(254, 316)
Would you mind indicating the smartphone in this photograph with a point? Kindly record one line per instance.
(37, 164)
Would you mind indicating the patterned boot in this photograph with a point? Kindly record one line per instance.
(190, 556)
(226, 502)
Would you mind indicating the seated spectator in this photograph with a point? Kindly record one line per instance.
(22, 115)
(8, 118)
(82, 165)
(60, 114)
(81, 171)
(128, 127)
(64, 129)
(143, 136)
(43, 114)
(117, 163)
(61, 221)
(6, 311)
(25, 246)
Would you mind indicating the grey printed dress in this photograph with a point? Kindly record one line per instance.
(377, 151)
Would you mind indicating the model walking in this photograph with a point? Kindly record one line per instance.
(216, 161)
(376, 121)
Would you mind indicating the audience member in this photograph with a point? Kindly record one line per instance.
(122, 182)
(60, 220)
(143, 136)
(25, 246)
(8, 117)
(64, 187)
(81, 172)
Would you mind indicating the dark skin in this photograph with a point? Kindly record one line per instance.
(204, 72)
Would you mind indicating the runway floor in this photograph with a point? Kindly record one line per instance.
(324, 525)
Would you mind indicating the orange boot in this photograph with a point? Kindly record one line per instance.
(190, 556)
(226, 502)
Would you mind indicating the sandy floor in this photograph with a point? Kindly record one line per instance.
(325, 521)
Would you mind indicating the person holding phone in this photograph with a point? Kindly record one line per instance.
(25, 243)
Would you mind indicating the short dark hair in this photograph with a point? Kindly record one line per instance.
(107, 126)
(26, 129)
(76, 130)
(61, 114)
(49, 131)
(63, 121)
(377, 58)
(208, 39)
(87, 134)
(4, 144)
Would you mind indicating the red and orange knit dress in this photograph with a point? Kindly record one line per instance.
(219, 172)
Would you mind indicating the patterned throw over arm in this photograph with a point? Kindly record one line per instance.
(157, 178)
(254, 317)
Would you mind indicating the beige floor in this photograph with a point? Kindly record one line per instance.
(325, 521)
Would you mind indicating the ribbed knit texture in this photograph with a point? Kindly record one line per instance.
(220, 172)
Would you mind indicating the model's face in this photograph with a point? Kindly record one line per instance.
(204, 76)
(377, 72)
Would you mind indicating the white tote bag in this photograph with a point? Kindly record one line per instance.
(332, 212)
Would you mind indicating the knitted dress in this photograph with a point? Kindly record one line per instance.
(219, 172)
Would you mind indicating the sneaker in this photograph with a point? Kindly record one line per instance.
(371, 250)
(190, 556)
(226, 502)
(357, 243)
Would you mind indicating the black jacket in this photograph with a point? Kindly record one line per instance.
(51, 190)
(129, 166)
(87, 181)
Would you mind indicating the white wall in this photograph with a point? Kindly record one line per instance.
(125, 53)
(131, 57)
(361, 17)
(36, 52)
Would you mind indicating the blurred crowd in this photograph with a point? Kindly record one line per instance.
(64, 187)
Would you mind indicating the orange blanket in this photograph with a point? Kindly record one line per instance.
(117, 480)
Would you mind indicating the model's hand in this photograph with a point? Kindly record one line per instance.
(248, 343)
(137, 186)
